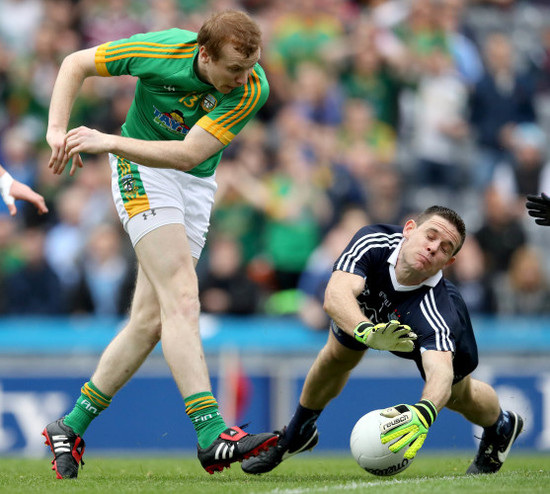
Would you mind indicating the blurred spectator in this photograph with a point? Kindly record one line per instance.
(543, 78)
(34, 288)
(368, 72)
(316, 95)
(332, 173)
(529, 170)
(503, 98)
(315, 276)
(65, 240)
(501, 232)
(421, 34)
(440, 127)
(233, 214)
(105, 20)
(19, 20)
(387, 198)
(18, 154)
(469, 275)
(360, 125)
(106, 276)
(465, 54)
(164, 14)
(295, 209)
(524, 289)
(224, 285)
(10, 258)
(300, 33)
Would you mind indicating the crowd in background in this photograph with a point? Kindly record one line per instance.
(377, 110)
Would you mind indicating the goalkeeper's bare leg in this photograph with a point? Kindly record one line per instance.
(325, 380)
(478, 402)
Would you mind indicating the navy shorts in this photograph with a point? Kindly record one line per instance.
(465, 358)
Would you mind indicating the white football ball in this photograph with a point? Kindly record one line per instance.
(370, 453)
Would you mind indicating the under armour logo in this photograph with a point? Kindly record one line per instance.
(170, 88)
(151, 212)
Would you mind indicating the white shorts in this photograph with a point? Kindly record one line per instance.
(147, 198)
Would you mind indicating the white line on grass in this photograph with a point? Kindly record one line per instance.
(352, 486)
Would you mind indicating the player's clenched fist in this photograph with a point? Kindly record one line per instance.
(409, 424)
(392, 336)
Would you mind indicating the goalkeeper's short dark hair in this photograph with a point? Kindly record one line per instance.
(448, 214)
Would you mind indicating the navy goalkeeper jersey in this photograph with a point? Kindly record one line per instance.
(434, 310)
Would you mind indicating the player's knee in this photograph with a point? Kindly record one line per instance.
(145, 320)
(461, 399)
(338, 357)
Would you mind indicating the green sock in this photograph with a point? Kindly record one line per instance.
(90, 404)
(202, 409)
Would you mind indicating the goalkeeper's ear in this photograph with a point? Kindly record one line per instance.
(450, 261)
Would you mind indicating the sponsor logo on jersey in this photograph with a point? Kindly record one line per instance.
(208, 103)
(172, 120)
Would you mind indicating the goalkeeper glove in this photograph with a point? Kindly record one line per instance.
(539, 208)
(392, 336)
(410, 423)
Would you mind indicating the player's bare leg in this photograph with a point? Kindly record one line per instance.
(129, 349)
(325, 380)
(476, 400)
(166, 260)
(329, 373)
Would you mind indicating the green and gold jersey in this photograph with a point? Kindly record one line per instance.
(170, 98)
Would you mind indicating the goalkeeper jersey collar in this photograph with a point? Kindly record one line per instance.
(398, 287)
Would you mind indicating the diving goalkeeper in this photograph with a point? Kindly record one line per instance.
(387, 292)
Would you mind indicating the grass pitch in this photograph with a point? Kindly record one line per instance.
(309, 474)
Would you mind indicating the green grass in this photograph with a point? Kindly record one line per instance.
(303, 475)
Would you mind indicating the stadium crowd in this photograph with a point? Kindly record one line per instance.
(377, 110)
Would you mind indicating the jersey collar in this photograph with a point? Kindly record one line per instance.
(398, 287)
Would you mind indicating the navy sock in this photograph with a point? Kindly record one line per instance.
(302, 424)
(502, 427)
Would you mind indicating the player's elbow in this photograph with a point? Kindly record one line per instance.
(183, 165)
(80, 64)
(329, 302)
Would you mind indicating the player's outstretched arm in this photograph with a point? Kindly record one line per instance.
(11, 190)
(539, 208)
(408, 425)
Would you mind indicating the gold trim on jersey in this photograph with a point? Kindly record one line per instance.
(246, 105)
(107, 53)
(219, 127)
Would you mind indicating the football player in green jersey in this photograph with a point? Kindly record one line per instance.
(194, 93)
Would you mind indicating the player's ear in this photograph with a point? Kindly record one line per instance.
(203, 54)
(408, 228)
(450, 261)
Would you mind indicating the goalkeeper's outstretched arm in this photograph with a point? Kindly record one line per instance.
(438, 368)
(340, 301)
(341, 305)
(407, 425)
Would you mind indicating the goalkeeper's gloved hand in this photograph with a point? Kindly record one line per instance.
(410, 423)
(392, 336)
(539, 208)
